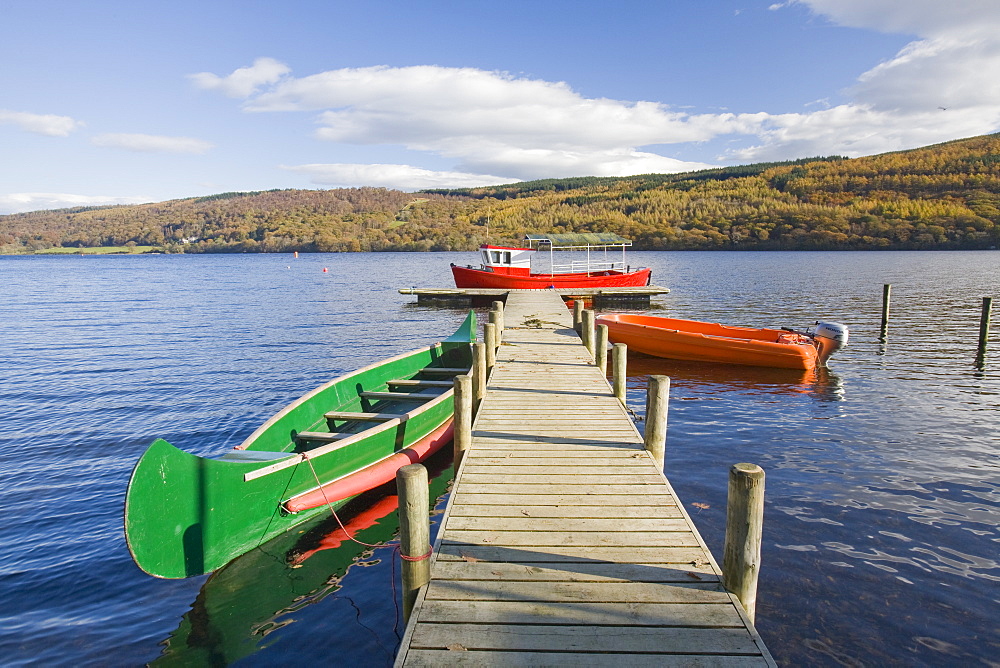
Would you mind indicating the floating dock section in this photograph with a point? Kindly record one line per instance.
(563, 544)
(634, 296)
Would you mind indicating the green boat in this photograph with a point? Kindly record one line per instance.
(187, 515)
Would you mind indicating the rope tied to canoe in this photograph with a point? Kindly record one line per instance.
(333, 512)
(329, 504)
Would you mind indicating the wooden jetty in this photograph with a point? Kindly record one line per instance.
(563, 543)
(598, 296)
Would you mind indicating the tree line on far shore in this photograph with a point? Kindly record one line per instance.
(945, 196)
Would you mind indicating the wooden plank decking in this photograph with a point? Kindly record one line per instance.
(562, 543)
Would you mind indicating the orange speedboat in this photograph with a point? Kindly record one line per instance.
(711, 342)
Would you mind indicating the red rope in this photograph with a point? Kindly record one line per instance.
(404, 557)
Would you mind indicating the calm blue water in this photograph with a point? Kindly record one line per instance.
(881, 542)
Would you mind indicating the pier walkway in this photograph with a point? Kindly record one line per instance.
(562, 542)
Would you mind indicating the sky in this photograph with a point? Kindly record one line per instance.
(113, 101)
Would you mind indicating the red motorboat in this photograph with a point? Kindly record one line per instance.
(506, 267)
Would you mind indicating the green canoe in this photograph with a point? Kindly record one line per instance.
(187, 515)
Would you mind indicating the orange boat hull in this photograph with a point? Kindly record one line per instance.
(467, 277)
(710, 342)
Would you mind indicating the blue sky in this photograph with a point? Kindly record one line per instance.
(110, 101)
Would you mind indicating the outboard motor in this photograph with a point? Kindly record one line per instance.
(829, 337)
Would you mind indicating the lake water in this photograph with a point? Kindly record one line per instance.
(881, 542)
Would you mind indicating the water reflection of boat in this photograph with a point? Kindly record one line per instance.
(821, 383)
(255, 594)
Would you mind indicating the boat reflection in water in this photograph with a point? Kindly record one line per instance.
(256, 594)
(820, 383)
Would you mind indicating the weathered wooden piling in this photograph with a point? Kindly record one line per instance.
(886, 296)
(498, 309)
(478, 374)
(601, 349)
(744, 524)
(587, 330)
(578, 307)
(984, 330)
(496, 319)
(657, 397)
(490, 337)
(619, 364)
(463, 417)
(414, 532)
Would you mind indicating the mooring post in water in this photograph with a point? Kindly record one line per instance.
(984, 331)
(498, 308)
(414, 532)
(478, 374)
(578, 307)
(886, 295)
(601, 349)
(587, 331)
(619, 362)
(490, 334)
(744, 524)
(463, 418)
(657, 397)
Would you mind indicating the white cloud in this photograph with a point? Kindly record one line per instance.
(244, 81)
(491, 123)
(152, 143)
(916, 17)
(21, 202)
(403, 177)
(42, 124)
(940, 86)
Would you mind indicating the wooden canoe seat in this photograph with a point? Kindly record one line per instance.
(420, 383)
(397, 396)
(444, 370)
(254, 455)
(369, 417)
(325, 436)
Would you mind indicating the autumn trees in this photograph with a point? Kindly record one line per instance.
(944, 196)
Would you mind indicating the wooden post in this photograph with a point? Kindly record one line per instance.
(619, 362)
(414, 532)
(478, 374)
(601, 349)
(578, 315)
(886, 294)
(984, 331)
(463, 418)
(744, 522)
(587, 331)
(657, 396)
(498, 307)
(490, 335)
(495, 319)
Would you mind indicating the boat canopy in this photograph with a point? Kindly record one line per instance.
(577, 241)
(586, 241)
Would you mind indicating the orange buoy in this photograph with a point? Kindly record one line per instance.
(296, 253)
(324, 270)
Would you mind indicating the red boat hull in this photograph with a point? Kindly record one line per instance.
(467, 277)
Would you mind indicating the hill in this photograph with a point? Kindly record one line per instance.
(945, 196)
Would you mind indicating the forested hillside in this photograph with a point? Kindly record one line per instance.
(939, 197)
